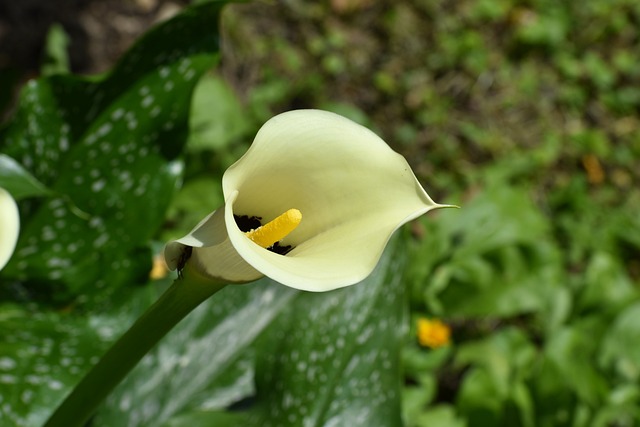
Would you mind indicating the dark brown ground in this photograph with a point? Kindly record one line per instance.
(99, 30)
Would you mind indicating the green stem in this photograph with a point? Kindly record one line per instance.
(178, 300)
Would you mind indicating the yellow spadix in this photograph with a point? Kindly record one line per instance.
(276, 229)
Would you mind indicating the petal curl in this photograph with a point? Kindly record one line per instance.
(212, 253)
(353, 191)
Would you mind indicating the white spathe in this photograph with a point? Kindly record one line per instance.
(353, 191)
(9, 226)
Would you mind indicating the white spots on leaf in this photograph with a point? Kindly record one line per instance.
(190, 74)
(117, 114)
(58, 212)
(91, 139)
(269, 294)
(164, 72)
(107, 167)
(147, 101)
(63, 143)
(104, 129)
(96, 223)
(101, 241)
(130, 117)
(48, 234)
(125, 402)
(55, 385)
(106, 332)
(339, 358)
(58, 262)
(8, 379)
(132, 124)
(126, 180)
(98, 185)
(7, 363)
(33, 379)
(184, 65)
(27, 250)
(39, 147)
(364, 335)
(125, 148)
(55, 274)
(142, 185)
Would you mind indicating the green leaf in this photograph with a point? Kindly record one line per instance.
(18, 181)
(333, 358)
(438, 416)
(493, 258)
(208, 419)
(499, 366)
(621, 348)
(109, 148)
(571, 351)
(215, 98)
(56, 60)
(606, 284)
(42, 355)
(204, 364)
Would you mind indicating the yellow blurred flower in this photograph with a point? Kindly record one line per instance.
(433, 333)
(159, 269)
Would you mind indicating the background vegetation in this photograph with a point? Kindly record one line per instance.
(525, 113)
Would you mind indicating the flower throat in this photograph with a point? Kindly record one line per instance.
(270, 234)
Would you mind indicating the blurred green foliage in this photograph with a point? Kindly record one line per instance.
(523, 113)
(526, 114)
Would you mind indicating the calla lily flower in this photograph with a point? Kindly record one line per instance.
(9, 226)
(337, 193)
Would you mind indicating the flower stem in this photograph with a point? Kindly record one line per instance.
(185, 294)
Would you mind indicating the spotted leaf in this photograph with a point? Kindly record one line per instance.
(42, 355)
(203, 365)
(333, 359)
(109, 149)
